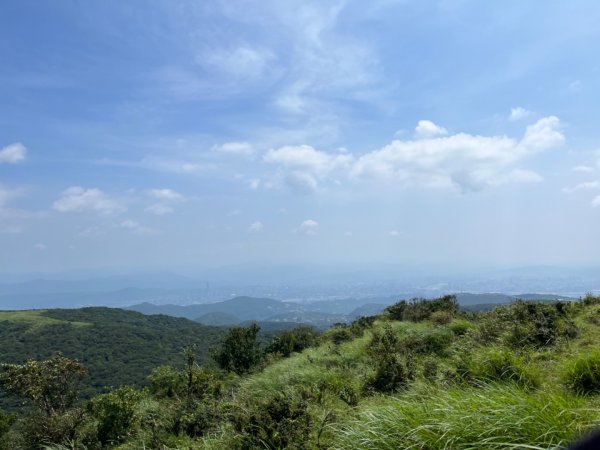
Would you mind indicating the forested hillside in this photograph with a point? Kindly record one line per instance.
(117, 347)
(422, 375)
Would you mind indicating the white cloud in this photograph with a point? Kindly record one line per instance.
(394, 233)
(470, 162)
(582, 186)
(301, 182)
(586, 169)
(427, 129)
(6, 195)
(160, 209)
(596, 202)
(309, 227)
(518, 113)
(78, 199)
(244, 62)
(13, 153)
(136, 228)
(304, 166)
(166, 194)
(236, 148)
(254, 183)
(166, 199)
(255, 227)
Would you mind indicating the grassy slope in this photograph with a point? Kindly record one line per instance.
(439, 411)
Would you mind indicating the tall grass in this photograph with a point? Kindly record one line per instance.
(492, 417)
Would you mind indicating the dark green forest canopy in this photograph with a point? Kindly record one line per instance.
(117, 347)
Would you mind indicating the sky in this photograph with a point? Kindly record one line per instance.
(207, 133)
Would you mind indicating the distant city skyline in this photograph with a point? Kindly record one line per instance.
(204, 134)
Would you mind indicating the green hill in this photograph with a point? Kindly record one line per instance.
(118, 347)
(423, 375)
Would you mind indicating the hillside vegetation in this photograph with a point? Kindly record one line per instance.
(422, 375)
(117, 347)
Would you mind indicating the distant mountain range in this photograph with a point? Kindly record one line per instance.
(319, 314)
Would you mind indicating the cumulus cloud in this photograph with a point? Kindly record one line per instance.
(434, 159)
(427, 129)
(470, 162)
(582, 186)
(160, 209)
(518, 113)
(304, 165)
(586, 169)
(236, 148)
(135, 228)
(166, 197)
(255, 227)
(309, 227)
(166, 194)
(13, 153)
(79, 199)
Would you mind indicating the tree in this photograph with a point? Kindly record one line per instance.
(51, 385)
(240, 350)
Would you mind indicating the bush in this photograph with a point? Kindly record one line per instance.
(591, 299)
(392, 372)
(441, 318)
(460, 327)
(294, 340)
(115, 413)
(240, 351)
(582, 376)
(503, 365)
(419, 309)
(281, 421)
(427, 342)
(340, 334)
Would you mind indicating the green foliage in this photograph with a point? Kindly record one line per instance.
(339, 334)
(294, 340)
(117, 347)
(50, 385)
(582, 375)
(495, 417)
(427, 342)
(460, 327)
(240, 350)
(590, 299)
(528, 324)
(6, 421)
(115, 413)
(393, 371)
(503, 365)
(280, 421)
(419, 309)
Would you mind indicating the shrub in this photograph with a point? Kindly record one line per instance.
(427, 342)
(582, 375)
(240, 350)
(590, 299)
(294, 340)
(115, 413)
(392, 372)
(281, 421)
(441, 318)
(502, 365)
(419, 309)
(396, 311)
(460, 327)
(340, 334)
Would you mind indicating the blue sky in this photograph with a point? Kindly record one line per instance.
(205, 133)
